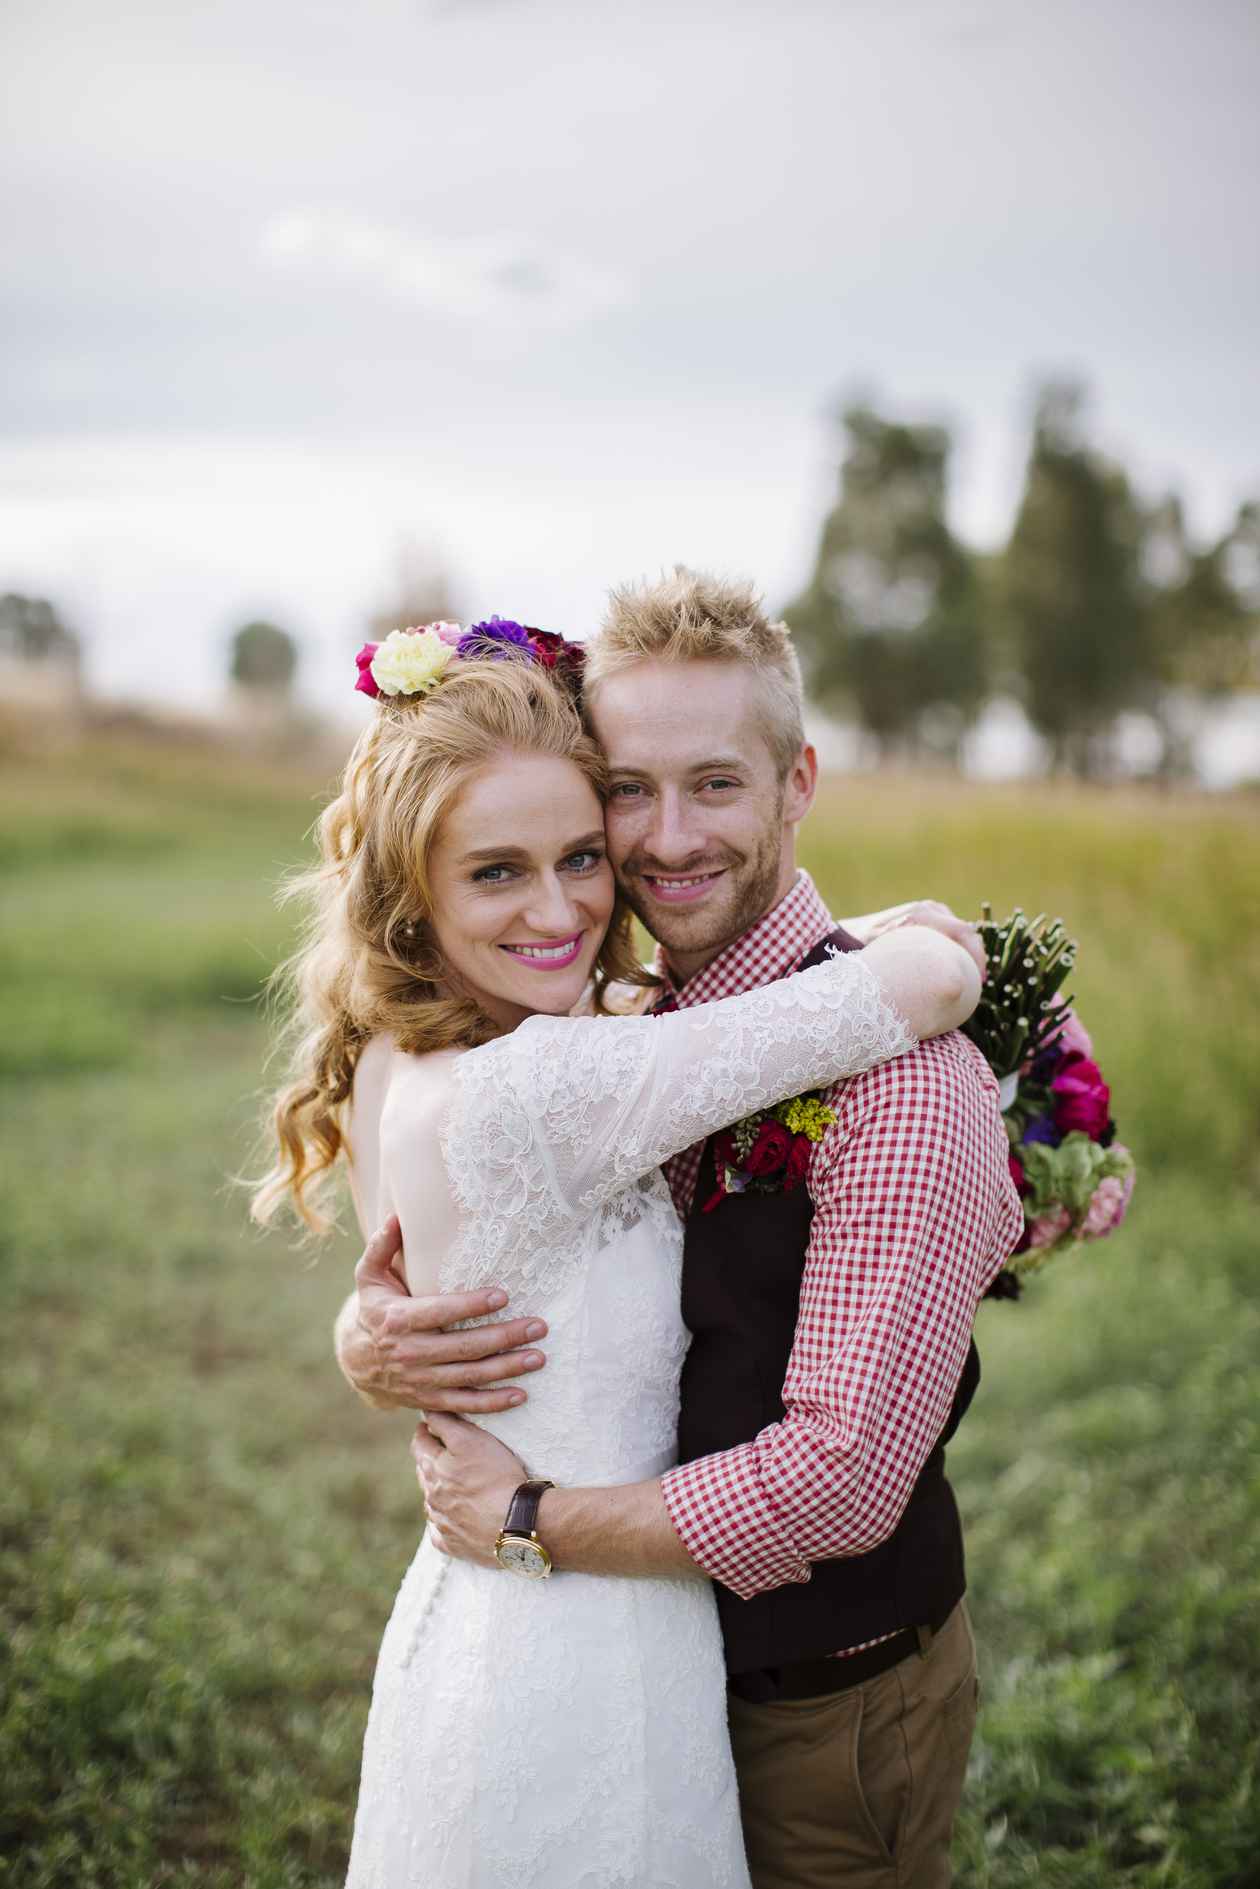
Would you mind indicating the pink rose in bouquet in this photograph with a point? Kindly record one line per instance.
(1048, 1228)
(1082, 1100)
(1109, 1204)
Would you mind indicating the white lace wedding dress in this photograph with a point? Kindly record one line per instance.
(571, 1732)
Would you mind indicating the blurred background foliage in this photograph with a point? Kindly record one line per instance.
(201, 1531)
(1096, 605)
(1100, 614)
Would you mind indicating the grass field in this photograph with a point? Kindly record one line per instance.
(201, 1531)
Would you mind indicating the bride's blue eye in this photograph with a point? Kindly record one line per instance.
(488, 875)
(583, 862)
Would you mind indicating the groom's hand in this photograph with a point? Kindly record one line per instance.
(399, 1353)
(468, 1478)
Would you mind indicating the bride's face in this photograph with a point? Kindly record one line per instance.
(522, 889)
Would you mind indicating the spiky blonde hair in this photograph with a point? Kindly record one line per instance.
(694, 616)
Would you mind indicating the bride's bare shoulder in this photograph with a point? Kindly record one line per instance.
(387, 1077)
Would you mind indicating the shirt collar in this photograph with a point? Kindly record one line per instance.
(764, 953)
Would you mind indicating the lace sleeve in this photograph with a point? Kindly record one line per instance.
(558, 1117)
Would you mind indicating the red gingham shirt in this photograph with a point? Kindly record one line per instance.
(914, 1214)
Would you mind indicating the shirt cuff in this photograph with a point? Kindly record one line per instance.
(727, 1524)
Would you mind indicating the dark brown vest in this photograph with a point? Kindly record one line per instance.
(742, 1271)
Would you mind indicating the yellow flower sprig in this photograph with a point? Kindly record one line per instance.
(806, 1115)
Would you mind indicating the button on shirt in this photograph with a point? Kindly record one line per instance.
(914, 1215)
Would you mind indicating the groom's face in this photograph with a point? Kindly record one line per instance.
(700, 826)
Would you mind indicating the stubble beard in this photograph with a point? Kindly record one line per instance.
(750, 891)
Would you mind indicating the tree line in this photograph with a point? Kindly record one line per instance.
(1098, 603)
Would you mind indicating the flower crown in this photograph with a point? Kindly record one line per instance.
(412, 662)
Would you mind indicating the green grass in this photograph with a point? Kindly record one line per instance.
(201, 1531)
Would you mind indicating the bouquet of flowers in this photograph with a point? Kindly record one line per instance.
(1074, 1177)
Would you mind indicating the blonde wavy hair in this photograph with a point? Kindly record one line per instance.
(369, 961)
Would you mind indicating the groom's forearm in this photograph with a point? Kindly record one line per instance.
(623, 1530)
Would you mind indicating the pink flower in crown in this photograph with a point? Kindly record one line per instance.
(449, 632)
(1108, 1206)
(1048, 1227)
(366, 684)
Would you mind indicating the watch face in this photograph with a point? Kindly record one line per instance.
(522, 1557)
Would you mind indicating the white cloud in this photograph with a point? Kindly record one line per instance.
(502, 279)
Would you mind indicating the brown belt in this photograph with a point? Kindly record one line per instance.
(812, 1678)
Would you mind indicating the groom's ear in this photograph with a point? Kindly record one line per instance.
(800, 786)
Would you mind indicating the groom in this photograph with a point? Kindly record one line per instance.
(831, 1353)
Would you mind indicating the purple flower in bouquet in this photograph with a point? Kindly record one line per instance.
(1042, 1129)
(1082, 1099)
(479, 639)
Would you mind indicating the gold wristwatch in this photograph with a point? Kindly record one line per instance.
(518, 1548)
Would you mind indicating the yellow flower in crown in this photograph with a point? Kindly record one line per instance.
(806, 1115)
(410, 662)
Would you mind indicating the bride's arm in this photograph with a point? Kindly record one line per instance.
(931, 981)
(614, 1108)
(565, 1113)
(617, 1098)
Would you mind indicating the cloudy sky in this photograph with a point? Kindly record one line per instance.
(564, 292)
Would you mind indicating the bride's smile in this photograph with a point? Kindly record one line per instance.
(522, 888)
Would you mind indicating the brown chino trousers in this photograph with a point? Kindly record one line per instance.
(859, 1788)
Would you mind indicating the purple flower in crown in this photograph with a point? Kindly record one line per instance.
(479, 639)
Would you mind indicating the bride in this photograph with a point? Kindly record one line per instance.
(569, 1730)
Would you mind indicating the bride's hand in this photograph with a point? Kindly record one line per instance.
(468, 1478)
(933, 913)
(929, 980)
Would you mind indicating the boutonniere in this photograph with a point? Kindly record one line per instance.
(768, 1153)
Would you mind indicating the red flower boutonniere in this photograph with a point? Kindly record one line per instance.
(768, 1153)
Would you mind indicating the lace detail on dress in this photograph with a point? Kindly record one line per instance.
(558, 1119)
(522, 1103)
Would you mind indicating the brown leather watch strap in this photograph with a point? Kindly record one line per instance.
(522, 1515)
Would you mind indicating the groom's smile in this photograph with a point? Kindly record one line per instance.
(700, 822)
(681, 890)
